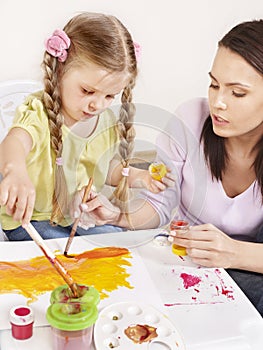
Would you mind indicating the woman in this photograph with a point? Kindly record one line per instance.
(216, 148)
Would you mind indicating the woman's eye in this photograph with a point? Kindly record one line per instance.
(213, 86)
(110, 97)
(238, 94)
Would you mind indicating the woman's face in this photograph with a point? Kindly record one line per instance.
(235, 96)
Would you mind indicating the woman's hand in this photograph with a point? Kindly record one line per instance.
(206, 245)
(18, 194)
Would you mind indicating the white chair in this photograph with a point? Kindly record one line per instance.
(12, 94)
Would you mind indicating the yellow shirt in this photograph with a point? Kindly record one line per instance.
(82, 157)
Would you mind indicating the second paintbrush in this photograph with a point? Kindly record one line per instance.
(76, 222)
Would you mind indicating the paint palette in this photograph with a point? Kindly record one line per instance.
(111, 328)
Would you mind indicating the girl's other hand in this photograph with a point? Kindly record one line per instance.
(101, 210)
(145, 180)
(76, 211)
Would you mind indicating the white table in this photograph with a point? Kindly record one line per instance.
(212, 325)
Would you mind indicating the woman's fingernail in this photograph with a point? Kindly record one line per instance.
(84, 206)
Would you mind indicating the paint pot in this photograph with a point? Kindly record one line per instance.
(161, 239)
(182, 226)
(72, 319)
(21, 318)
(87, 295)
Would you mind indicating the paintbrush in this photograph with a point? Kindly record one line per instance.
(52, 258)
(76, 222)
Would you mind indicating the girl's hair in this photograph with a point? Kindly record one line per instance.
(103, 40)
(245, 39)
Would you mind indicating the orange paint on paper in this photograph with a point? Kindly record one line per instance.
(102, 268)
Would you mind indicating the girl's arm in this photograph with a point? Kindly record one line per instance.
(138, 178)
(115, 174)
(17, 192)
(101, 211)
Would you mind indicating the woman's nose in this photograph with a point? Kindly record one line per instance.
(220, 103)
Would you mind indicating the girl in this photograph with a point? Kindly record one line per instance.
(66, 134)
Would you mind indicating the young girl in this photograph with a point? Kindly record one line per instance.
(66, 134)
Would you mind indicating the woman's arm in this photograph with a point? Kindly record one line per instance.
(249, 256)
(17, 192)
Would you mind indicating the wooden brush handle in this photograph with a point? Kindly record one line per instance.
(52, 258)
(76, 222)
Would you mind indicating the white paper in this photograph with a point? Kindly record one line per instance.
(143, 287)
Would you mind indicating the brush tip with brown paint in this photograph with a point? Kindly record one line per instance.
(68, 255)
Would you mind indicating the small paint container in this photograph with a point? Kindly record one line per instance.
(21, 318)
(182, 226)
(72, 319)
(161, 240)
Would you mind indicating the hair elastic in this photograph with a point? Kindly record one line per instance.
(137, 50)
(125, 171)
(58, 44)
(59, 161)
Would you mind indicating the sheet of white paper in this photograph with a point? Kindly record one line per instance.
(188, 283)
(143, 288)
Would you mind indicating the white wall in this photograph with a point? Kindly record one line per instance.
(179, 39)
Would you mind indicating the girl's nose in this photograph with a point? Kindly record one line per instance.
(92, 106)
(96, 104)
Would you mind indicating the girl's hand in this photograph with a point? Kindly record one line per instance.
(206, 245)
(76, 211)
(101, 210)
(145, 180)
(98, 210)
(18, 194)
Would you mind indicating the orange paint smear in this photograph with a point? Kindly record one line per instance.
(102, 268)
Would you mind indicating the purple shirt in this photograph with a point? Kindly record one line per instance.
(197, 198)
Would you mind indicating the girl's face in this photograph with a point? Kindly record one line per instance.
(86, 91)
(235, 96)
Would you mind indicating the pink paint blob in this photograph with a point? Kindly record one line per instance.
(190, 280)
(228, 292)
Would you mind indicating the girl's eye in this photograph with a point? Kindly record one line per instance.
(87, 92)
(236, 94)
(213, 86)
(110, 97)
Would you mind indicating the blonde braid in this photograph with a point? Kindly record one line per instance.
(127, 134)
(105, 41)
(52, 102)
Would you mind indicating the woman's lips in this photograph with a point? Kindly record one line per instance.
(219, 120)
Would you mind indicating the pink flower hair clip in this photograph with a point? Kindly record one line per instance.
(58, 44)
(137, 50)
